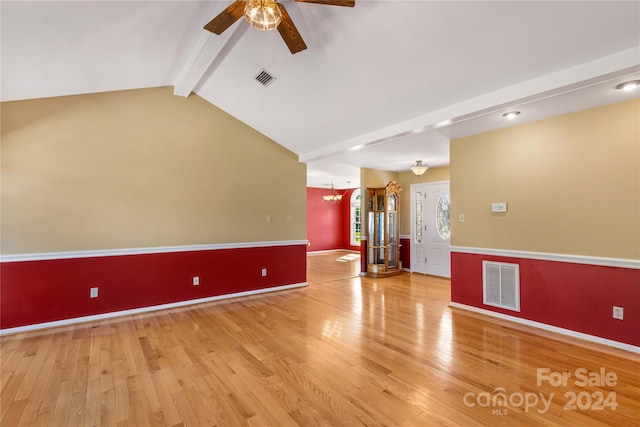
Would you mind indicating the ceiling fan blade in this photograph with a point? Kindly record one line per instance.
(347, 3)
(289, 32)
(224, 20)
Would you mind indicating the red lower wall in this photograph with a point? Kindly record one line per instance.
(35, 292)
(405, 253)
(572, 296)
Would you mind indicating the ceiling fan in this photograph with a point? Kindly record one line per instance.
(267, 15)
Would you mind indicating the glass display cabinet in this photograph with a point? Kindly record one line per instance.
(383, 234)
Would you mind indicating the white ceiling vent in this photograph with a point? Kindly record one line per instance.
(264, 78)
(501, 284)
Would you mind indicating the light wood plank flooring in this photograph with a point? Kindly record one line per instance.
(344, 351)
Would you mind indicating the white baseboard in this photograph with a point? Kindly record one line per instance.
(104, 316)
(550, 328)
(327, 251)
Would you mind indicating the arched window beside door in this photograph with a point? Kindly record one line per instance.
(355, 218)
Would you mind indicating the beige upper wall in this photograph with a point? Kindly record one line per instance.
(572, 184)
(374, 178)
(141, 168)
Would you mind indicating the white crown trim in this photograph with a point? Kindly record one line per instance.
(142, 251)
(575, 259)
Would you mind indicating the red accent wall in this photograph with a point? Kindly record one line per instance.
(405, 253)
(328, 225)
(572, 296)
(43, 291)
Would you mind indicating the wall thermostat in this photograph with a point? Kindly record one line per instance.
(498, 207)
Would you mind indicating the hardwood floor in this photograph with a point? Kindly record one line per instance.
(341, 352)
(331, 266)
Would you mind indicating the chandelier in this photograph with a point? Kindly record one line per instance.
(419, 168)
(262, 14)
(333, 198)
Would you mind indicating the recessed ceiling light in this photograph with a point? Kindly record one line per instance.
(629, 86)
(443, 123)
(511, 114)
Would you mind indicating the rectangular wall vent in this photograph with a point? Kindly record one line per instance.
(264, 78)
(501, 284)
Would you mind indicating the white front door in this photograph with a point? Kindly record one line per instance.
(430, 229)
(438, 230)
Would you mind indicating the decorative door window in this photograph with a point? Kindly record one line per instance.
(443, 217)
(418, 218)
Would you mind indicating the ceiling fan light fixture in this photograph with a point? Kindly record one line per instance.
(262, 14)
(419, 168)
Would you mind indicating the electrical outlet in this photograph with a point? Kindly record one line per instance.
(461, 218)
(268, 218)
(196, 280)
(289, 218)
(264, 272)
(618, 312)
(93, 293)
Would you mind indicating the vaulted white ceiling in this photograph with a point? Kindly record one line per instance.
(370, 89)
